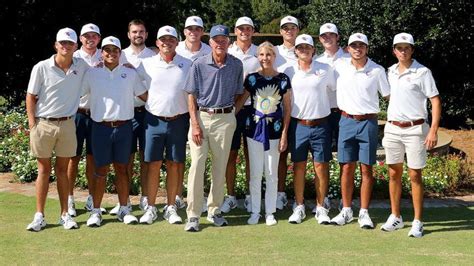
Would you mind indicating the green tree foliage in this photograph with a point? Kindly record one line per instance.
(228, 11)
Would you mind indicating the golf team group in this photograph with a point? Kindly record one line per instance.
(273, 101)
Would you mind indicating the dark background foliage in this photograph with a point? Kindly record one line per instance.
(443, 32)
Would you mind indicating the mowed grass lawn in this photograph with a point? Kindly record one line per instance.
(449, 239)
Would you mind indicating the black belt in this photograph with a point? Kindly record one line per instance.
(224, 110)
(170, 118)
(114, 124)
(312, 122)
(64, 118)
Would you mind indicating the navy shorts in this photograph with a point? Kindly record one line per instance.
(111, 145)
(83, 133)
(138, 121)
(357, 141)
(239, 132)
(315, 139)
(169, 136)
(334, 119)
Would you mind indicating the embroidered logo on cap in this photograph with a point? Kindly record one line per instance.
(328, 26)
(68, 34)
(359, 36)
(304, 38)
(220, 29)
(91, 27)
(404, 38)
(195, 20)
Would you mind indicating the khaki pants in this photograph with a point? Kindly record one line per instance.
(218, 130)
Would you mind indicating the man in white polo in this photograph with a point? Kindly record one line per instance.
(192, 47)
(112, 89)
(329, 38)
(246, 51)
(90, 39)
(285, 56)
(359, 80)
(52, 99)
(166, 121)
(133, 54)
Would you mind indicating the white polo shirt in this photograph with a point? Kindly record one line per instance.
(128, 56)
(249, 60)
(112, 92)
(283, 56)
(409, 92)
(183, 51)
(310, 90)
(357, 89)
(58, 92)
(93, 61)
(166, 94)
(330, 60)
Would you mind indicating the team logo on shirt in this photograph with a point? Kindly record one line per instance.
(180, 65)
(408, 79)
(74, 72)
(368, 73)
(124, 75)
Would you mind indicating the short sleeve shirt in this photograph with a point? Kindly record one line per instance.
(58, 92)
(112, 92)
(213, 86)
(165, 81)
(409, 92)
(183, 51)
(330, 60)
(249, 60)
(92, 61)
(357, 88)
(266, 96)
(284, 56)
(310, 99)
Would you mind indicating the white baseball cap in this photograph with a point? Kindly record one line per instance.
(328, 27)
(289, 19)
(90, 28)
(358, 37)
(194, 21)
(66, 34)
(403, 38)
(244, 21)
(304, 39)
(167, 31)
(111, 40)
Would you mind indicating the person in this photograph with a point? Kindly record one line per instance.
(309, 126)
(246, 51)
(329, 38)
(166, 121)
(267, 130)
(213, 83)
(289, 29)
(52, 100)
(112, 88)
(358, 81)
(90, 38)
(133, 55)
(191, 48)
(407, 130)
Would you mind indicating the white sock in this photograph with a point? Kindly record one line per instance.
(70, 198)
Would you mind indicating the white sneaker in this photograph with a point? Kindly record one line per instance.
(143, 203)
(116, 209)
(282, 200)
(322, 215)
(254, 217)
(89, 203)
(344, 217)
(393, 223)
(179, 202)
(298, 215)
(204, 206)
(172, 216)
(248, 203)
(95, 218)
(270, 220)
(68, 222)
(326, 205)
(71, 208)
(230, 202)
(192, 225)
(364, 220)
(125, 216)
(37, 224)
(416, 229)
(149, 216)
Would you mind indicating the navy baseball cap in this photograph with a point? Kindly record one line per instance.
(219, 30)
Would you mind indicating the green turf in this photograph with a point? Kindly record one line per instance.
(449, 239)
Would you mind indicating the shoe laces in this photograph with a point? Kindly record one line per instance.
(193, 220)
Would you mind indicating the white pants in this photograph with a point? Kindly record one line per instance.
(263, 161)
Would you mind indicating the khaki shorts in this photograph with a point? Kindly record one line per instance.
(398, 141)
(58, 136)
